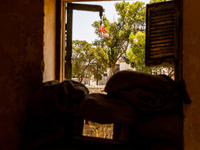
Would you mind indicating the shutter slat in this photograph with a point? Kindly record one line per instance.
(163, 22)
(162, 45)
(164, 16)
(161, 12)
(161, 38)
(161, 55)
(161, 41)
(167, 26)
(162, 48)
(160, 33)
(160, 52)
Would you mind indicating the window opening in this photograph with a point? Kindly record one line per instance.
(80, 59)
(128, 61)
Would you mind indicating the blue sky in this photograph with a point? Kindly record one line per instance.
(82, 20)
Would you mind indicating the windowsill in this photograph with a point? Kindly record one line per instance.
(98, 140)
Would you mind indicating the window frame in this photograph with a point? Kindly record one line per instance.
(61, 62)
(60, 43)
(59, 59)
(60, 39)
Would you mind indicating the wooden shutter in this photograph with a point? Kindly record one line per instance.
(161, 33)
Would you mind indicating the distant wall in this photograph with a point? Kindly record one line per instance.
(191, 73)
(21, 64)
(49, 39)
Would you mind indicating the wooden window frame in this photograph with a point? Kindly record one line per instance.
(60, 41)
(60, 51)
(63, 63)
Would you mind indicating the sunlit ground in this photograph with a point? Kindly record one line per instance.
(93, 129)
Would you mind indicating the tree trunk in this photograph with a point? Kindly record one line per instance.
(82, 76)
(97, 82)
(110, 72)
(83, 73)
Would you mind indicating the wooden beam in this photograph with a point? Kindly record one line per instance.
(68, 64)
(58, 35)
(179, 54)
(87, 7)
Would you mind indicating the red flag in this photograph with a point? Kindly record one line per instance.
(103, 30)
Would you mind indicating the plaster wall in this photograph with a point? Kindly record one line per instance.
(191, 73)
(21, 64)
(49, 39)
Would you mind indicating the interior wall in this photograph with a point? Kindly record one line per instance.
(21, 64)
(49, 39)
(191, 73)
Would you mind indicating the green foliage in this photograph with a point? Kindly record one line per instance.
(136, 53)
(156, 1)
(125, 34)
(82, 54)
(100, 64)
(85, 58)
(131, 20)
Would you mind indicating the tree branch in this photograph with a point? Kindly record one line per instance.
(85, 69)
(122, 52)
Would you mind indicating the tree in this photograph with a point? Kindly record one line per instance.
(136, 53)
(156, 1)
(85, 58)
(82, 57)
(100, 63)
(131, 20)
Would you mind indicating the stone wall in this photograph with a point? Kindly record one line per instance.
(49, 40)
(21, 63)
(191, 73)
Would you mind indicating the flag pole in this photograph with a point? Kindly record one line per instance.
(101, 37)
